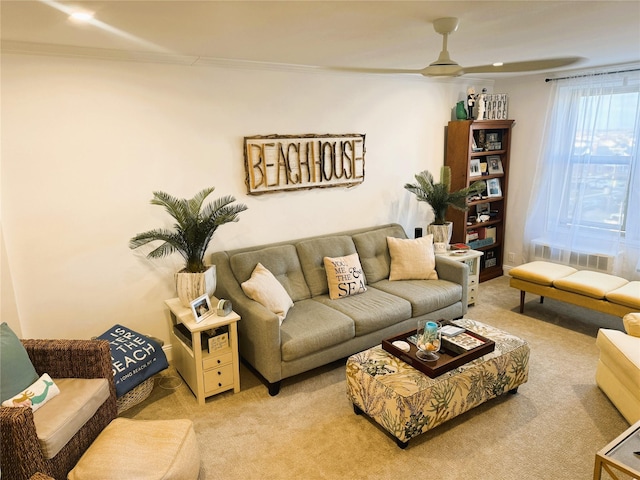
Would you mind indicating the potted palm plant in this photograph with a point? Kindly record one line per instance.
(193, 231)
(440, 197)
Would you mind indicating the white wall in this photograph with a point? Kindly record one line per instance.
(529, 97)
(85, 142)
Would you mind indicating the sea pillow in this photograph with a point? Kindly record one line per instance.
(412, 259)
(265, 289)
(16, 370)
(344, 276)
(36, 395)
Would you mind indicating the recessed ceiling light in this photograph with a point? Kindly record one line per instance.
(81, 16)
(497, 64)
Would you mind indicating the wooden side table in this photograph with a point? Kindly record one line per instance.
(207, 373)
(618, 456)
(471, 258)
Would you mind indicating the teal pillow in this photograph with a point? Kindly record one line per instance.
(16, 369)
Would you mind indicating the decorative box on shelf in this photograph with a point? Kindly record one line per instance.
(217, 339)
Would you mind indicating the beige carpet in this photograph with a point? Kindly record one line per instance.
(550, 429)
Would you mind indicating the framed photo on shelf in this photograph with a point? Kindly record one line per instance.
(474, 167)
(493, 188)
(495, 164)
(201, 307)
(483, 209)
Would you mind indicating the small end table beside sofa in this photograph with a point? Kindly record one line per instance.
(206, 373)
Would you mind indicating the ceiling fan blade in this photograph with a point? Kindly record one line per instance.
(375, 70)
(526, 66)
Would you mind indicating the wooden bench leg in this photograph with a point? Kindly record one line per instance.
(541, 299)
(522, 292)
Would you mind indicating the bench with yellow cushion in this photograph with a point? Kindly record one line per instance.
(595, 290)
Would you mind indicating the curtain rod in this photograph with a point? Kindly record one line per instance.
(590, 75)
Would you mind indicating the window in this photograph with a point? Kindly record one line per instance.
(588, 196)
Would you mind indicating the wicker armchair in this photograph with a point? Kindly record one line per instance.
(21, 456)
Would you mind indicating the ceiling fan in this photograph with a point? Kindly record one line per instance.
(444, 66)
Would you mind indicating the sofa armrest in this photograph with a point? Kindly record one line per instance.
(73, 359)
(259, 328)
(456, 272)
(19, 437)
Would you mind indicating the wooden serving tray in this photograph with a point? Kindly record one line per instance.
(448, 360)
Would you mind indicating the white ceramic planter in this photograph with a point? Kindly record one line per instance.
(441, 233)
(190, 286)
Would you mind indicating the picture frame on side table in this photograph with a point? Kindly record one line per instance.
(201, 308)
(474, 167)
(495, 165)
(493, 188)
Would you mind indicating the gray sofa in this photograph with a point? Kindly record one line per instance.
(318, 330)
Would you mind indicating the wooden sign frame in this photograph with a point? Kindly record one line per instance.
(276, 163)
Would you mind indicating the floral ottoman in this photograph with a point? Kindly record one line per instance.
(406, 402)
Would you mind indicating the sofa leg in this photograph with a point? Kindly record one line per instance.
(522, 292)
(274, 388)
(541, 299)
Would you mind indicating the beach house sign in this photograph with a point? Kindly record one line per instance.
(276, 163)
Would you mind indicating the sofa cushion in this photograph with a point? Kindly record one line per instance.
(374, 252)
(412, 259)
(265, 289)
(591, 284)
(372, 310)
(628, 295)
(311, 327)
(631, 322)
(542, 273)
(282, 261)
(16, 370)
(312, 252)
(621, 354)
(59, 420)
(425, 296)
(344, 276)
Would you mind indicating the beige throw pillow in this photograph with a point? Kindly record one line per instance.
(265, 289)
(344, 276)
(412, 259)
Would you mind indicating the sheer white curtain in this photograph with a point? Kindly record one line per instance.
(585, 208)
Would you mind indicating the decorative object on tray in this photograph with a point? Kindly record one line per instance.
(193, 231)
(428, 340)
